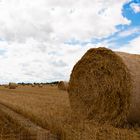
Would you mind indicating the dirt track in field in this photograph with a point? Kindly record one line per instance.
(33, 130)
(9, 130)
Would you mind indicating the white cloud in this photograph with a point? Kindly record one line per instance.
(135, 7)
(27, 62)
(33, 32)
(132, 47)
(46, 20)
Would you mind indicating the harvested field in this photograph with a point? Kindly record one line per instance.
(9, 130)
(46, 106)
(30, 129)
(49, 91)
(50, 108)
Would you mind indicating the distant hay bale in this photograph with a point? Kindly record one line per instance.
(6, 86)
(63, 85)
(52, 85)
(32, 85)
(40, 85)
(12, 85)
(105, 86)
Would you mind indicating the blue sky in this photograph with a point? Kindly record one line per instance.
(115, 38)
(129, 13)
(41, 40)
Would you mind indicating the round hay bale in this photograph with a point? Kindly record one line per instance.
(40, 85)
(63, 85)
(12, 85)
(33, 85)
(6, 86)
(105, 86)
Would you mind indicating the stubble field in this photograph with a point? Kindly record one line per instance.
(49, 108)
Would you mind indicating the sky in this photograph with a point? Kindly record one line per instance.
(41, 40)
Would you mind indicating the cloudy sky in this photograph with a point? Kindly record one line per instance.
(41, 40)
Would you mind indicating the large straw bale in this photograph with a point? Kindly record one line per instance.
(12, 85)
(63, 85)
(105, 86)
